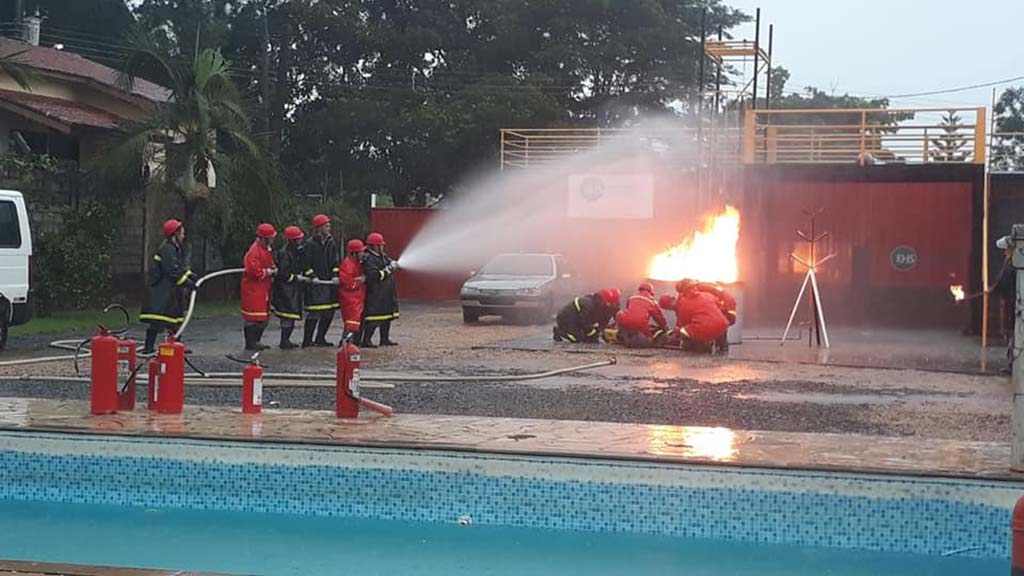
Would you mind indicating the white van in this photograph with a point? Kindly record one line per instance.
(15, 256)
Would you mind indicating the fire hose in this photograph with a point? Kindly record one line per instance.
(192, 297)
(78, 345)
(299, 377)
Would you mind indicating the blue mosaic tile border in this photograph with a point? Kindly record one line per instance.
(926, 516)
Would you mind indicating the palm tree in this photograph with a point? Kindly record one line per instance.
(201, 133)
(10, 65)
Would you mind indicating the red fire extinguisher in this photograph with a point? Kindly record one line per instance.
(103, 396)
(252, 387)
(167, 378)
(126, 374)
(346, 403)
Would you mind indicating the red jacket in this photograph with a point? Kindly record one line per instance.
(256, 282)
(640, 309)
(699, 316)
(725, 300)
(351, 292)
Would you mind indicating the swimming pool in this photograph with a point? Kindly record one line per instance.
(302, 509)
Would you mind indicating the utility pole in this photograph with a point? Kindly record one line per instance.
(265, 79)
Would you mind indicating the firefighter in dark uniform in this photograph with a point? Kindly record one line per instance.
(1006, 286)
(286, 297)
(381, 306)
(585, 318)
(167, 280)
(320, 260)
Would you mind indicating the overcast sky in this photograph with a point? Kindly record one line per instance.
(890, 47)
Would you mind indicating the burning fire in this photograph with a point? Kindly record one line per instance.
(957, 290)
(709, 255)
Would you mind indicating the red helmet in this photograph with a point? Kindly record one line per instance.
(646, 287)
(293, 233)
(355, 245)
(375, 239)
(684, 285)
(667, 302)
(171, 226)
(610, 296)
(319, 220)
(266, 231)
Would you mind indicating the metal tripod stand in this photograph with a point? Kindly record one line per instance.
(817, 328)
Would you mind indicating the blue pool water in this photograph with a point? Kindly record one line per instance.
(254, 543)
(256, 508)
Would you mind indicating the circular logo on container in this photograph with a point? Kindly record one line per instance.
(591, 189)
(903, 258)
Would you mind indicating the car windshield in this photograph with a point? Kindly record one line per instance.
(519, 265)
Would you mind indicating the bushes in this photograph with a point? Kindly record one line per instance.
(72, 265)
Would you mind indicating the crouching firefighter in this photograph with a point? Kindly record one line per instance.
(634, 323)
(701, 325)
(167, 281)
(256, 282)
(585, 318)
(286, 298)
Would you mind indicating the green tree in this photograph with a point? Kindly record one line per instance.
(1008, 140)
(839, 132)
(951, 145)
(202, 133)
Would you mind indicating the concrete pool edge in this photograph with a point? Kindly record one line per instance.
(698, 446)
(28, 568)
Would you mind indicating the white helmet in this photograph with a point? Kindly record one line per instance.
(1003, 243)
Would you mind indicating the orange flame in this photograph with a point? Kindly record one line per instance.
(957, 290)
(709, 255)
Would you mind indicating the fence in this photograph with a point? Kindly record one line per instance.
(905, 136)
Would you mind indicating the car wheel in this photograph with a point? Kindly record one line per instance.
(470, 315)
(5, 322)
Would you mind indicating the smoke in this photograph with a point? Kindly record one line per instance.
(598, 207)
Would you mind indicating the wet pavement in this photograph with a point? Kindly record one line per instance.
(759, 385)
(691, 445)
(852, 347)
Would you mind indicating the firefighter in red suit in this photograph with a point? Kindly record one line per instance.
(352, 290)
(700, 323)
(635, 330)
(256, 280)
(725, 300)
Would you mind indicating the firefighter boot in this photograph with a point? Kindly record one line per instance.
(308, 329)
(258, 335)
(286, 339)
(368, 329)
(321, 333)
(722, 345)
(150, 346)
(385, 335)
(250, 336)
(556, 333)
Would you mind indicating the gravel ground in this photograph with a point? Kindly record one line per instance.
(659, 387)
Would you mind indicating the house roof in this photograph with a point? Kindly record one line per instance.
(83, 69)
(57, 113)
